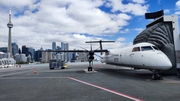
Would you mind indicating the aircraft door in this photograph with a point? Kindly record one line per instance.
(139, 60)
(135, 56)
(121, 58)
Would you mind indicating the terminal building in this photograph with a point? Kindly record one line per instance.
(164, 33)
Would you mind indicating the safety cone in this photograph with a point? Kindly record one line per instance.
(96, 66)
(35, 70)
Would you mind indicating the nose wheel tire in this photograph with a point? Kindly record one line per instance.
(156, 76)
(177, 73)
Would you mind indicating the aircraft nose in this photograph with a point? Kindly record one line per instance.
(163, 62)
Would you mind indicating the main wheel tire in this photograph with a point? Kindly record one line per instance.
(154, 77)
(177, 73)
(89, 68)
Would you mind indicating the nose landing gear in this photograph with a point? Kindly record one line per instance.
(156, 75)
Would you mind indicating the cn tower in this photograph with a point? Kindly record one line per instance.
(9, 25)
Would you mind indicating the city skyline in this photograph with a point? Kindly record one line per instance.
(35, 54)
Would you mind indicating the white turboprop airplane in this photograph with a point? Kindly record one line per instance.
(140, 56)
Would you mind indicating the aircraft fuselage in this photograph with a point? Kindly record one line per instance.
(140, 56)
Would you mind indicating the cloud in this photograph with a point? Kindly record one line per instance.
(177, 8)
(40, 22)
(166, 11)
(177, 13)
(159, 2)
(121, 39)
(139, 1)
(119, 46)
(135, 8)
(178, 4)
(138, 29)
(125, 30)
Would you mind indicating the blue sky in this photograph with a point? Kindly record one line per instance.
(40, 22)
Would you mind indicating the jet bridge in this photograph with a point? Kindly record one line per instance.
(164, 33)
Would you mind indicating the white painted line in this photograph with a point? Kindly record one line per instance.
(108, 90)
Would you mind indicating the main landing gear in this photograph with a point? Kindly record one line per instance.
(89, 68)
(156, 75)
(177, 73)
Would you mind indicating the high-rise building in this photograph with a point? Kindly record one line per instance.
(54, 48)
(73, 56)
(9, 25)
(58, 48)
(65, 46)
(67, 55)
(20, 51)
(31, 52)
(15, 49)
(25, 50)
(38, 55)
(29, 58)
(62, 46)
(20, 58)
(62, 53)
(2, 55)
(3, 49)
(46, 56)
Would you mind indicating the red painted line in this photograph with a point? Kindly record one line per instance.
(108, 90)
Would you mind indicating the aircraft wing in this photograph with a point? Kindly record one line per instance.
(100, 50)
(72, 50)
(63, 51)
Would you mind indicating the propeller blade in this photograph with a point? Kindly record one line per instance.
(86, 57)
(91, 46)
(84, 49)
(97, 48)
(98, 56)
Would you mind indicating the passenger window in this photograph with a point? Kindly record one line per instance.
(135, 49)
(146, 48)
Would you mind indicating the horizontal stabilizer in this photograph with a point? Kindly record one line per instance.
(98, 41)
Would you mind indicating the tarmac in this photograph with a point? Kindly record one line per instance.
(106, 83)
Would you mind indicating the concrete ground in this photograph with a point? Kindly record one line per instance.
(109, 83)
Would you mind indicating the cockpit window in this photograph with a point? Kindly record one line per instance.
(135, 49)
(146, 48)
(155, 48)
